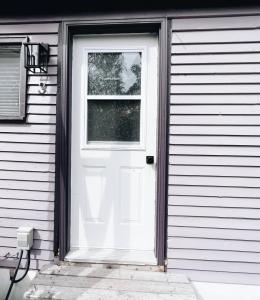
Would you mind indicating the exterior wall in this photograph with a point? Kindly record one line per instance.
(214, 204)
(27, 157)
(214, 161)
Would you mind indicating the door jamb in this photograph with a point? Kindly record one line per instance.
(63, 137)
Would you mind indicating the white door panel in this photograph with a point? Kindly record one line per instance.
(114, 119)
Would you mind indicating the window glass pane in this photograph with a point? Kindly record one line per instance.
(9, 79)
(114, 120)
(114, 73)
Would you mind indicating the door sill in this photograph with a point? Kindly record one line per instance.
(112, 256)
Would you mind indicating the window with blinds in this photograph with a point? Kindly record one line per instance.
(12, 85)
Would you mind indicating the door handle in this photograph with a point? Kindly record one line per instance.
(150, 160)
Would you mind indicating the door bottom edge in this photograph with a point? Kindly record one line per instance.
(112, 256)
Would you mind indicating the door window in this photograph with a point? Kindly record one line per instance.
(114, 120)
(115, 73)
(114, 102)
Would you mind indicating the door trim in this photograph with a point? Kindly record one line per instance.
(160, 26)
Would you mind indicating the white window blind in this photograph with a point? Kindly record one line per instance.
(10, 76)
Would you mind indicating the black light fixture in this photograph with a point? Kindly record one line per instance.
(36, 57)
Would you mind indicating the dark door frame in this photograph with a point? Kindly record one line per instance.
(62, 194)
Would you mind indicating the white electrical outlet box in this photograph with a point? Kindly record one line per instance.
(24, 238)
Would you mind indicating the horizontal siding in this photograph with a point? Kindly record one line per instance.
(41, 119)
(50, 80)
(212, 255)
(39, 258)
(28, 128)
(27, 157)
(213, 244)
(27, 166)
(204, 201)
(36, 224)
(215, 181)
(216, 79)
(246, 161)
(214, 120)
(27, 204)
(222, 212)
(213, 150)
(229, 68)
(44, 235)
(43, 255)
(27, 138)
(219, 191)
(214, 23)
(213, 99)
(216, 130)
(215, 110)
(218, 36)
(37, 157)
(214, 157)
(30, 176)
(213, 222)
(227, 234)
(215, 140)
(195, 59)
(224, 88)
(29, 28)
(208, 170)
(26, 185)
(24, 194)
(232, 267)
(27, 214)
(225, 48)
(38, 244)
(23, 147)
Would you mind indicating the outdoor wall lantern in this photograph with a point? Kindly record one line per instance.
(36, 57)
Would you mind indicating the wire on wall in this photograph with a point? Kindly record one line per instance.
(13, 278)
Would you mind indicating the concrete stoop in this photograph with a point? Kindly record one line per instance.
(93, 283)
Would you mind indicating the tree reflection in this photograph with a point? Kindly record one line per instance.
(114, 73)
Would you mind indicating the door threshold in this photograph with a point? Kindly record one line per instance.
(112, 256)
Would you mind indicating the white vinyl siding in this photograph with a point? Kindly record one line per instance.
(27, 158)
(214, 154)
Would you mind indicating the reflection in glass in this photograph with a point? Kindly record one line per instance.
(114, 73)
(114, 120)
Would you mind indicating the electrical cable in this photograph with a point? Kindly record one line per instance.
(15, 273)
(27, 267)
(13, 278)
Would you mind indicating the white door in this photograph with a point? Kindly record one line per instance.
(114, 119)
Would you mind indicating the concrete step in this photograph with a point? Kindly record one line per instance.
(65, 293)
(74, 282)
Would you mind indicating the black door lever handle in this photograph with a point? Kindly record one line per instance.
(150, 160)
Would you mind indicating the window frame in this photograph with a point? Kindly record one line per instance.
(116, 145)
(23, 80)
